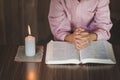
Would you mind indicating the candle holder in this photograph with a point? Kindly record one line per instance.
(21, 56)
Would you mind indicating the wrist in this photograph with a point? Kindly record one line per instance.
(93, 37)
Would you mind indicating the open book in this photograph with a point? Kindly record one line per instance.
(66, 53)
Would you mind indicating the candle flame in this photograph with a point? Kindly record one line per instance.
(29, 30)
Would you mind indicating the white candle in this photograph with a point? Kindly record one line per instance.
(29, 44)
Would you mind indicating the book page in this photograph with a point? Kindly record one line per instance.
(97, 52)
(61, 53)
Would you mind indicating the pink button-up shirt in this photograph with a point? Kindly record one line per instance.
(92, 15)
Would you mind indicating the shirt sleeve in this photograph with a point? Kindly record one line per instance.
(59, 24)
(102, 20)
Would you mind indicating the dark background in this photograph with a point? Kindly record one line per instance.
(15, 15)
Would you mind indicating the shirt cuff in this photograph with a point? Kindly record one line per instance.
(102, 35)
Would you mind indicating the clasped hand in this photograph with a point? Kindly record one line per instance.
(80, 37)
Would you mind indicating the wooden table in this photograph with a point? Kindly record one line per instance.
(11, 70)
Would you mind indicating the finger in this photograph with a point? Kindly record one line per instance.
(80, 46)
(82, 43)
(80, 37)
(84, 33)
(77, 31)
(80, 29)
